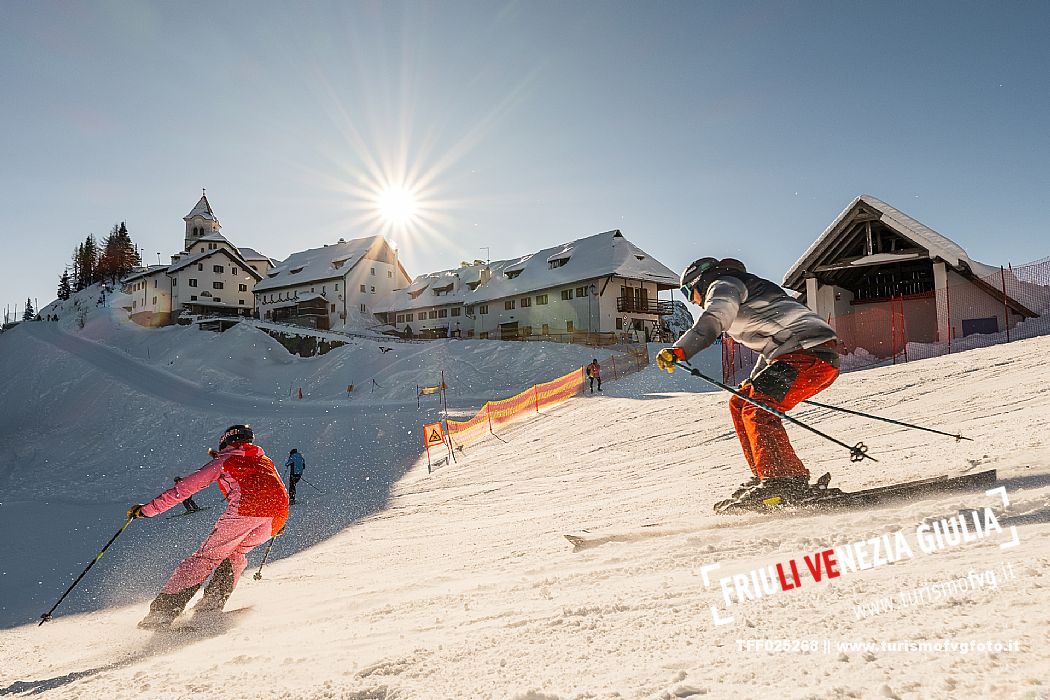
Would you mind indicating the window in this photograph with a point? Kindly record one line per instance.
(508, 305)
(619, 324)
(581, 292)
(241, 302)
(373, 271)
(483, 309)
(526, 302)
(311, 290)
(432, 314)
(569, 328)
(484, 335)
(557, 263)
(217, 268)
(202, 250)
(546, 329)
(200, 267)
(333, 308)
(242, 288)
(216, 285)
(373, 290)
(470, 311)
(154, 301)
(174, 281)
(362, 288)
(390, 274)
(363, 309)
(212, 246)
(193, 297)
(154, 284)
(193, 282)
(216, 299)
(400, 318)
(324, 289)
(456, 311)
(337, 286)
(254, 267)
(295, 271)
(566, 294)
(410, 317)
(442, 313)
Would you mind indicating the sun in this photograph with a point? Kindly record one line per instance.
(397, 205)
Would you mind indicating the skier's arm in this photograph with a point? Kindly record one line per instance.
(724, 297)
(185, 488)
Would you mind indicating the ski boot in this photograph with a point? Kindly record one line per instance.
(759, 495)
(218, 590)
(165, 608)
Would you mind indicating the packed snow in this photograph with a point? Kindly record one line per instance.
(396, 582)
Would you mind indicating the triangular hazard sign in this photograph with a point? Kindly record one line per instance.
(434, 437)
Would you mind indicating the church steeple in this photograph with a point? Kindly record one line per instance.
(201, 221)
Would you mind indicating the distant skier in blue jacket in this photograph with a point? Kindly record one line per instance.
(296, 465)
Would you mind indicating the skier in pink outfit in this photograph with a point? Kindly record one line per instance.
(257, 510)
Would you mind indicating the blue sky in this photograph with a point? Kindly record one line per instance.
(697, 128)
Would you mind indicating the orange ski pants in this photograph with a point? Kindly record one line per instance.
(788, 380)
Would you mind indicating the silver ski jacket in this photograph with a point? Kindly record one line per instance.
(757, 314)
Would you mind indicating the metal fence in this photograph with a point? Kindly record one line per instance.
(968, 312)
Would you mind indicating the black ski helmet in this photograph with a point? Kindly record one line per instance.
(699, 274)
(294, 451)
(234, 434)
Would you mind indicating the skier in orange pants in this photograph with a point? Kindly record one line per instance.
(798, 358)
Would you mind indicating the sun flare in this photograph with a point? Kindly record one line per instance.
(397, 205)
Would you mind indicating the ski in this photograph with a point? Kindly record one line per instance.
(188, 512)
(877, 495)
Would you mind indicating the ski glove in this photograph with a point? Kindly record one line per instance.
(135, 511)
(666, 358)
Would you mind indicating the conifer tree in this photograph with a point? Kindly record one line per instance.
(29, 313)
(64, 289)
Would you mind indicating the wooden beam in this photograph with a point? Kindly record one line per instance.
(996, 293)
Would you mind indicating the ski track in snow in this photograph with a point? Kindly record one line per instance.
(459, 584)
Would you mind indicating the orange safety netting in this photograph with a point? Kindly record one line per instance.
(560, 389)
(504, 411)
(537, 397)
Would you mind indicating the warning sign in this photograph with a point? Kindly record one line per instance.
(433, 435)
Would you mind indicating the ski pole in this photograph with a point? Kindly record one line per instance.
(304, 479)
(47, 616)
(258, 574)
(886, 420)
(857, 452)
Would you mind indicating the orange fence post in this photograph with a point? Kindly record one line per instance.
(536, 397)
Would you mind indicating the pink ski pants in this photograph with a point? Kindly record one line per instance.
(232, 538)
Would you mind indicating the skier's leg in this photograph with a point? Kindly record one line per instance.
(228, 573)
(736, 405)
(227, 534)
(786, 382)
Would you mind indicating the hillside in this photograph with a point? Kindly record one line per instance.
(459, 584)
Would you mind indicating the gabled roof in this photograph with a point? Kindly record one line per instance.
(252, 254)
(324, 263)
(455, 285)
(602, 255)
(144, 272)
(917, 233)
(207, 254)
(202, 209)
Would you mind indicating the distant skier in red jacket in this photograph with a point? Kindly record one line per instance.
(257, 511)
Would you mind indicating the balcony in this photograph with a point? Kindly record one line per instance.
(632, 305)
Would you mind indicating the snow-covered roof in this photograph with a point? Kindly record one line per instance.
(600, 255)
(935, 244)
(253, 254)
(144, 272)
(324, 263)
(454, 284)
(214, 236)
(202, 209)
(197, 257)
(588, 258)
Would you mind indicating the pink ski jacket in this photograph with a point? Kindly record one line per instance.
(246, 477)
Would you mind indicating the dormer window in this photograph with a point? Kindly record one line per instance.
(513, 273)
(295, 271)
(640, 257)
(556, 263)
(339, 263)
